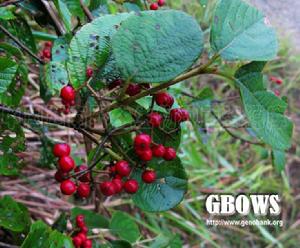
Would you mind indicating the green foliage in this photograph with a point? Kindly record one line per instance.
(278, 159)
(124, 227)
(264, 110)
(119, 117)
(241, 32)
(13, 216)
(60, 49)
(6, 14)
(8, 69)
(167, 191)
(41, 235)
(153, 55)
(56, 77)
(10, 145)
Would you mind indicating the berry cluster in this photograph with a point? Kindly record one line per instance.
(276, 80)
(156, 5)
(46, 52)
(119, 171)
(80, 239)
(67, 95)
(66, 165)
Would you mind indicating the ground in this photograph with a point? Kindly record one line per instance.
(285, 15)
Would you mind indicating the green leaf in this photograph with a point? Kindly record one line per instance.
(41, 236)
(13, 216)
(55, 77)
(8, 69)
(60, 49)
(92, 219)
(64, 13)
(241, 32)
(157, 46)
(6, 14)
(279, 160)
(11, 50)
(15, 88)
(119, 117)
(60, 223)
(263, 109)
(20, 28)
(167, 241)
(90, 47)
(124, 227)
(167, 191)
(120, 244)
(75, 8)
(12, 142)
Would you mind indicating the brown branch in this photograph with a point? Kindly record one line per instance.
(86, 11)
(12, 2)
(20, 44)
(24, 115)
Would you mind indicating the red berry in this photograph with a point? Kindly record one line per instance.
(82, 236)
(67, 110)
(145, 155)
(149, 176)
(66, 164)
(155, 119)
(108, 188)
(67, 93)
(77, 241)
(161, 3)
(60, 176)
(123, 168)
(142, 141)
(277, 93)
(164, 99)
(89, 72)
(48, 44)
(112, 169)
(170, 154)
(275, 80)
(131, 186)
(85, 177)
(67, 187)
(115, 84)
(47, 53)
(154, 6)
(87, 244)
(133, 89)
(80, 220)
(61, 150)
(84, 229)
(176, 115)
(83, 190)
(118, 177)
(158, 151)
(72, 103)
(118, 184)
(185, 116)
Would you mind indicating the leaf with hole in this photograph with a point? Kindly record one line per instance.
(90, 47)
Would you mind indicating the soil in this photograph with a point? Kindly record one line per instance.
(284, 15)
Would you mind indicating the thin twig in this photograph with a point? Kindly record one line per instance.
(24, 115)
(10, 3)
(20, 44)
(233, 134)
(86, 11)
